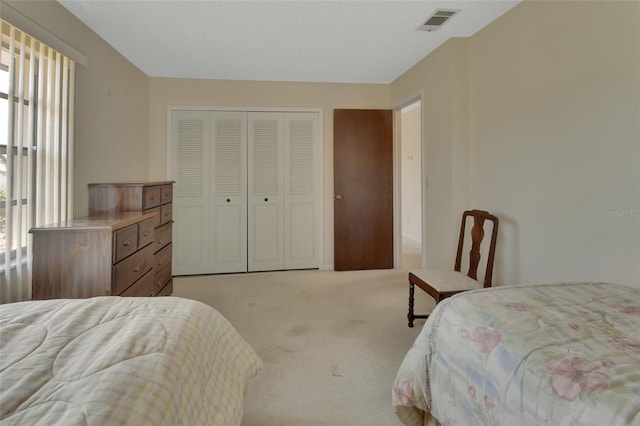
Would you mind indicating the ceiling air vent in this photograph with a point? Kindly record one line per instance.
(437, 20)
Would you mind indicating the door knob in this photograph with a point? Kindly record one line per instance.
(338, 197)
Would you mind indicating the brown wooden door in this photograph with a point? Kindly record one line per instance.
(363, 189)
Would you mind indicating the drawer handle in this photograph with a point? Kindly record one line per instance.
(159, 262)
(127, 242)
(160, 241)
(137, 267)
(147, 233)
(166, 214)
(166, 194)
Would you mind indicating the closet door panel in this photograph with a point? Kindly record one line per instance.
(301, 242)
(190, 248)
(301, 149)
(230, 243)
(190, 169)
(229, 184)
(267, 238)
(265, 192)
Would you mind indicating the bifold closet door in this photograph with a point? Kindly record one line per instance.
(301, 189)
(229, 186)
(283, 204)
(247, 191)
(209, 165)
(191, 194)
(265, 192)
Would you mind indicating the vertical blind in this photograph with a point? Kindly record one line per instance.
(36, 150)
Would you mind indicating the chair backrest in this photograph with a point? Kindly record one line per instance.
(477, 234)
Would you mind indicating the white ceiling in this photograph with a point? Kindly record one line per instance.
(305, 40)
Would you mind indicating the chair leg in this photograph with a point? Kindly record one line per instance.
(410, 315)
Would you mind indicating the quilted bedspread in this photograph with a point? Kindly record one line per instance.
(564, 354)
(111, 360)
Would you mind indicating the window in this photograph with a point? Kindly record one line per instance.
(16, 206)
(36, 149)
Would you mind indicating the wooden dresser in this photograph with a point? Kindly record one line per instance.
(143, 198)
(95, 256)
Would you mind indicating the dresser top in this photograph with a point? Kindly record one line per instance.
(165, 182)
(113, 221)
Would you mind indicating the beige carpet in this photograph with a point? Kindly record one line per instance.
(331, 342)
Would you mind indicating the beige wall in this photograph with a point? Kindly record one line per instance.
(167, 92)
(112, 95)
(555, 139)
(536, 118)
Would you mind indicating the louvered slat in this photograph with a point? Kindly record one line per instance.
(266, 158)
(229, 157)
(301, 159)
(190, 158)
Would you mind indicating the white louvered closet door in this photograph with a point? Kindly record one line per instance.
(229, 186)
(265, 192)
(191, 206)
(301, 159)
(247, 191)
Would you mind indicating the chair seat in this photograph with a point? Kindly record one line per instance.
(442, 283)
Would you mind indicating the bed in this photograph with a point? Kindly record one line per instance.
(112, 360)
(562, 354)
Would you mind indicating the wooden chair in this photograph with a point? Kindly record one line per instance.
(443, 284)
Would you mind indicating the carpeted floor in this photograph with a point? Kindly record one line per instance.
(331, 342)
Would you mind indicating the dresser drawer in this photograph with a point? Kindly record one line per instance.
(132, 268)
(145, 232)
(163, 236)
(167, 194)
(158, 215)
(163, 257)
(152, 196)
(125, 242)
(161, 278)
(166, 213)
(167, 289)
(141, 288)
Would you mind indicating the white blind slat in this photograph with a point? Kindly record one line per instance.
(31, 156)
(71, 95)
(56, 142)
(63, 135)
(9, 167)
(18, 220)
(40, 137)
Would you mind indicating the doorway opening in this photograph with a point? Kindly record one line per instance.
(410, 165)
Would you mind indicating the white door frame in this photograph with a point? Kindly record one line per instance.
(397, 184)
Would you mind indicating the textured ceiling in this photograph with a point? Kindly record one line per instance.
(319, 41)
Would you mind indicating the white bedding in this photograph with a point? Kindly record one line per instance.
(112, 360)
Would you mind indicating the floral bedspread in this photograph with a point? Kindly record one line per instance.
(562, 354)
